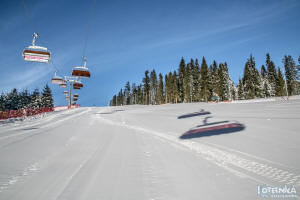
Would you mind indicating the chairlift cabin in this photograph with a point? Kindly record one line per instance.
(81, 71)
(57, 79)
(36, 53)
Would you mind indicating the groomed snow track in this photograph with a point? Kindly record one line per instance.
(183, 151)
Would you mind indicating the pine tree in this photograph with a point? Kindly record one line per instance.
(214, 79)
(187, 84)
(265, 85)
(47, 100)
(167, 88)
(196, 81)
(181, 72)
(175, 83)
(35, 99)
(127, 93)
(24, 99)
(271, 73)
(280, 85)
(290, 74)
(113, 102)
(204, 85)
(251, 80)
(133, 99)
(241, 93)
(153, 87)
(224, 89)
(120, 98)
(160, 90)
(140, 94)
(12, 101)
(146, 89)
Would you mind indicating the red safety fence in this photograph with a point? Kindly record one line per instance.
(23, 112)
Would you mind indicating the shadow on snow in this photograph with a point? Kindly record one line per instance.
(213, 128)
(201, 112)
(111, 112)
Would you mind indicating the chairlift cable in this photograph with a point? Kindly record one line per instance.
(28, 15)
(89, 27)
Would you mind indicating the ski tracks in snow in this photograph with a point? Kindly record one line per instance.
(240, 164)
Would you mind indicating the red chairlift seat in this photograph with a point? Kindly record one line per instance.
(57, 79)
(66, 92)
(36, 53)
(76, 88)
(78, 84)
(76, 95)
(63, 85)
(81, 71)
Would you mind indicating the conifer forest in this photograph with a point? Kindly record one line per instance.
(15, 100)
(203, 82)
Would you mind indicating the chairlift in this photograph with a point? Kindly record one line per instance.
(81, 71)
(36, 53)
(63, 85)
(77, 84)
(75, 99)
(76, 88)
(57, 79)
(66, 92)
(76, 95)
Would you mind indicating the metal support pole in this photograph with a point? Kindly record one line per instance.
(70, 100)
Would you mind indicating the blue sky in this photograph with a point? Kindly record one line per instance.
(128, 37)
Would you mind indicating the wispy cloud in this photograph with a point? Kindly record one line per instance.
(259, 16)
(24, 78)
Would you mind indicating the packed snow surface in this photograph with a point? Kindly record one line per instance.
(173, 151)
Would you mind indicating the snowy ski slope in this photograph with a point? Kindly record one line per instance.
(183, 151)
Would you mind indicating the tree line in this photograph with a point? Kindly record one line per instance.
(15, 100)
(193, 82)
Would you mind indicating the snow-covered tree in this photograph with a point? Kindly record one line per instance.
(160, 89)
(153, 87)
(251, 80)
(290, 74)
(241, 92)
(47, 100)
(35, 99)
(204, 81)
(146, 88)
(187, 84)
(271, 73)
(280, 84)
(181, 72)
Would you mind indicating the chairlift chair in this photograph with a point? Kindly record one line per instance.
(76, 95)
(63, 85)
(76, 88)
(81, 71)
(36, 53)
(77, 84)
(66, 92)
(57, 79)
